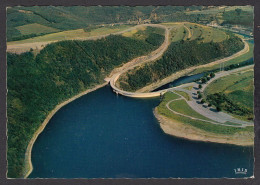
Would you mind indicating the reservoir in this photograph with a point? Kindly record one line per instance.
(104, 135)
(180, 81)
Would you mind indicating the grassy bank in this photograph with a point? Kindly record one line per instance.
(182, 107)
(188, 128)
(204, 34)
(234, 93)
(186, 131)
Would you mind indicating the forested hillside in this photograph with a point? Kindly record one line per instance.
(67, 18)
(180, 55)
(36, 84)
(27, 22)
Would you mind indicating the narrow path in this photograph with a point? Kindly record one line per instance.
(189, 32)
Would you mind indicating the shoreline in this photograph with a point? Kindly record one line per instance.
(185, 131)
(28, 168)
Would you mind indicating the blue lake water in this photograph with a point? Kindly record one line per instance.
(102, 135)
(180, 81)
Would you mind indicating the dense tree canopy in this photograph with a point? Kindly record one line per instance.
(180, 55)
(36, 84)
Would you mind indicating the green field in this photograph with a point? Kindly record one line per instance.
(196, 31)
(217, 129)
(170, 96)
(35, 28)
(177, 33)
(184, 94)
(73, 34)
(239, 87)
(141, 33)
(182, 107)
(203, 33)
(212, 34)
(134, 32)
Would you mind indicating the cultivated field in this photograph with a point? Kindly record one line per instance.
(134, 32)
(37, 43)
(180, 31)
(35, 28)
(72, 34)
(184, 94)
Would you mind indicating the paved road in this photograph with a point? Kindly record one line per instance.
(156, 54)
(224, 73)
(208, 121)
(142, 60)
(217, 117)
(208, 111)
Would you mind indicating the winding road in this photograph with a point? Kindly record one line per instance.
(219, 118)
(142, 60)
(156, 55)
